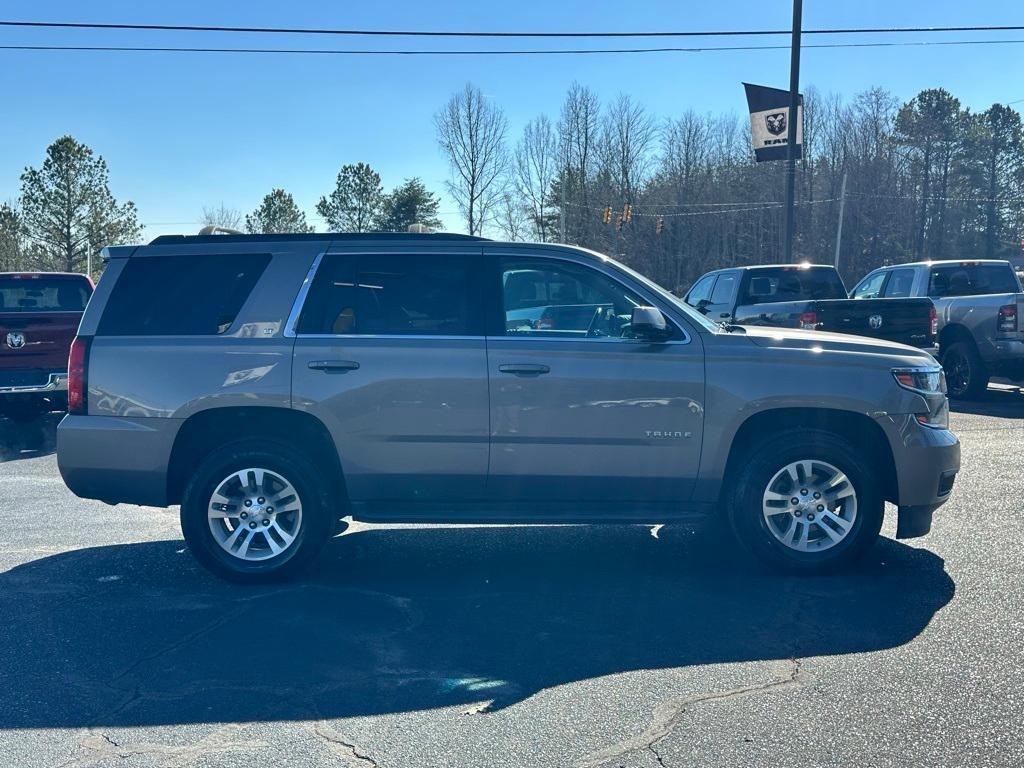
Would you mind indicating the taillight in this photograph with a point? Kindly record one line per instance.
(809, 321)
(1007, 321)
(78, 367)
(933, 318)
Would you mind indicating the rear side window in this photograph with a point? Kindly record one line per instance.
(395, 295)
(766, 286)
(971, 280)
(180, 295)
(43, 294)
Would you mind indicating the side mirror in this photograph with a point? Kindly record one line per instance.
(648, 323)
(702, 306)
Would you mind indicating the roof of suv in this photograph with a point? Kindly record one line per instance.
(314, 237)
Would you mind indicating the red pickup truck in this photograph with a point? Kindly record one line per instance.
(39, 315)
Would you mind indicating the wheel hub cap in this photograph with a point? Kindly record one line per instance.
(255, 514)
(809, 505)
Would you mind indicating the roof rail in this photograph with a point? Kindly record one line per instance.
(315, 237)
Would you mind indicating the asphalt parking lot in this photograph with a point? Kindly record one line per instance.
(541, 646)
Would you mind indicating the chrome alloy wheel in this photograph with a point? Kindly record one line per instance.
(255, 514)
(810, 505)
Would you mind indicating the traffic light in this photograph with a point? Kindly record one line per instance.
(606, 215)
(659, 225)
(627, 213)
(618, 223)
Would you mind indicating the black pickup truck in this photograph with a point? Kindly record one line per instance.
(812, 297)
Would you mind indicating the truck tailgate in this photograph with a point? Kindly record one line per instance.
(905, 321)
(41, 341)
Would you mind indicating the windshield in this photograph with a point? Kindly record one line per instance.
(691, 314)
(767, 286)
(42, 294)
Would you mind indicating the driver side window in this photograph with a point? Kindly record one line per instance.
(546, 298)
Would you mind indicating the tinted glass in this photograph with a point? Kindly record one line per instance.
(180, 295)
(722, 294)
(972, 280)
(701, 291)
(765, 286)
(899, 285)
(41, 294)
(552, 298)
(870, 288)
(395, 294)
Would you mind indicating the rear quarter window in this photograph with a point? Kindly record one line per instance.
(180, 295)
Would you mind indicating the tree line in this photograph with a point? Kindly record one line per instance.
(925, 179)
(673, 198)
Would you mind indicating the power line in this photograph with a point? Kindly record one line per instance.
(532, 34)
(533, 52)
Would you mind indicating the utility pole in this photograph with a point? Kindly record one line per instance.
(794, 101)
(839, 227)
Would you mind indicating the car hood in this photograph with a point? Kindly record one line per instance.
(820, 341)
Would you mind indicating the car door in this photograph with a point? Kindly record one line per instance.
(390, 355)
(580, 412)
(723, 296)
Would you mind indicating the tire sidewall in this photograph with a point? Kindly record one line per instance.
(314, 529)
(768, 458)
(976, 375)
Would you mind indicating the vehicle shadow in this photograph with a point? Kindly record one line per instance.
(28, 440)
(999, 401)
(411, 619)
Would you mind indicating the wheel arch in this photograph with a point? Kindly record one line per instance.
(952, 333)
(861, 430)
(205, 431)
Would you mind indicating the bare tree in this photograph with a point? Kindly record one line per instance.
(578, 140)
(627, 138)
(222, 216)
(471, 131)
(536, 160)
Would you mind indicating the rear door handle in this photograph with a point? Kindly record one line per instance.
(333, 365)
(524, 369)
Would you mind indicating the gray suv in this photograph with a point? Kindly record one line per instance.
(271, 385)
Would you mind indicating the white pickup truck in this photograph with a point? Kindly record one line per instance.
(979, 306)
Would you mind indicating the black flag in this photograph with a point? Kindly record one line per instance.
(769, 116)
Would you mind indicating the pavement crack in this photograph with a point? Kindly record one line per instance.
(333, 740)
(669, 713)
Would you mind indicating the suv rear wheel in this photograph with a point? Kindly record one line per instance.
(255, 511)
(806, 500)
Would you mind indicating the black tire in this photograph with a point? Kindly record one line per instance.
(966, 374)
(756, 472)
(314, 529)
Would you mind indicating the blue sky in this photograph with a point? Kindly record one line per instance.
(180, 131)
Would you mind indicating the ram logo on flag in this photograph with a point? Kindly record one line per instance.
(769, 122)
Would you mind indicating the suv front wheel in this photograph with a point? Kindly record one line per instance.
(806, 500)
(255, 511)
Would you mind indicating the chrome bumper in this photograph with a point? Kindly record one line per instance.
(56, 382)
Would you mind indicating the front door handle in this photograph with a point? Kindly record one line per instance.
(333, 365)
(524, 369)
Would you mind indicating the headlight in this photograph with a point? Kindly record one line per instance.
(930, 383)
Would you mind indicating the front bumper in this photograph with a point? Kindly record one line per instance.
(927, 461)
(55, 382)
